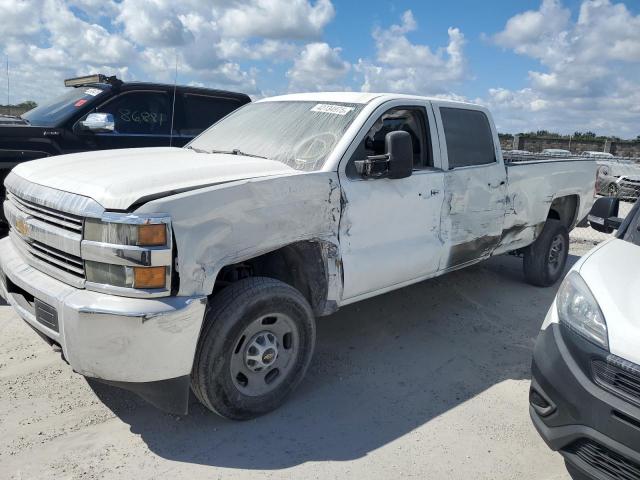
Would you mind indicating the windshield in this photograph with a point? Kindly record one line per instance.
(629, 228)
(298, 134)
(51, 113)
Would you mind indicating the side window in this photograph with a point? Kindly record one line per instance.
(145, 113)
(200, 112)
(412, 120)
(469, 137)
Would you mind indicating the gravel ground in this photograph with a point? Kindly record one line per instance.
(430, 381)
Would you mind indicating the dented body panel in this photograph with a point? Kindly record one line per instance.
(365, 236)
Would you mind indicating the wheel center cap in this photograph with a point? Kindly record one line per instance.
(268, 356)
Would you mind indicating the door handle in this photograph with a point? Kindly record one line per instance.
(434, 192)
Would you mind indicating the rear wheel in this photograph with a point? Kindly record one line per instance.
(545, 259)
(255, 348)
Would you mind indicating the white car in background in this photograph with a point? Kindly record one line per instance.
(556, 152)
(597, 154)
(585, 387)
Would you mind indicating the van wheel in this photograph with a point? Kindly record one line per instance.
(255, 348)
(545, 259)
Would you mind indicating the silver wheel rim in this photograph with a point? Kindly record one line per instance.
(264, 354)
(556, 254)
(613, 191)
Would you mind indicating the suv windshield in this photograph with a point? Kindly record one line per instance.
(51, 113)
(298, 134)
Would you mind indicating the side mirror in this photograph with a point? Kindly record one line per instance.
(604, 215)
(99, 122)
(396, 163)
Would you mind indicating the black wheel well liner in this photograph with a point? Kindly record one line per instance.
(565, 209)
(303, 265)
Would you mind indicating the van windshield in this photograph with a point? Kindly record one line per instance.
(299, 134)
(629, 228)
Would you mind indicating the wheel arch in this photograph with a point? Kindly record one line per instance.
(565, 209)
(313, 267)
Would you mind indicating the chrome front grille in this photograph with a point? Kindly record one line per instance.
(48, 239)
(66, 221)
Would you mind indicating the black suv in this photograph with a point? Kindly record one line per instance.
(101, 112)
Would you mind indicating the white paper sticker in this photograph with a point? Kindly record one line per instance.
(93, 91)
(335, 109)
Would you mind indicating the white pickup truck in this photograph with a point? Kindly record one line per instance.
(204, 267)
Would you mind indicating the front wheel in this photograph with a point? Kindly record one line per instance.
(255, 348)
(545, 259)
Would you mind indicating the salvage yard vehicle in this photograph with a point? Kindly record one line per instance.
(100, 112)
(585, 387)
(206, 266)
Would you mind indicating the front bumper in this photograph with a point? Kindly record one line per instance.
(595, 430)
(123, 341)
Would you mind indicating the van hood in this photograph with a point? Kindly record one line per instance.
(117, 179)
(611, 272)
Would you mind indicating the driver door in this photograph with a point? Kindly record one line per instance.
(389, 230)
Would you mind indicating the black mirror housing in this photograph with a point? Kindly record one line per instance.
(399, 147)
(604, 215)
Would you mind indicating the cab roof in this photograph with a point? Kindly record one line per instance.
(351, 97)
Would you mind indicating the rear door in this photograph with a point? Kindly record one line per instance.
(475, 183)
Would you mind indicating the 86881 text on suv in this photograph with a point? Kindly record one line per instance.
(205, 267)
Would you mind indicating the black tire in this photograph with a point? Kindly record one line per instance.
(244, 305)
(543, 263)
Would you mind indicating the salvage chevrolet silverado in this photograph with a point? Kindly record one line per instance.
(162, 269)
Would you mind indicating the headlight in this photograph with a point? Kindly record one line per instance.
(146, 234)
(579, 310)
(128, 254)
(126, 276)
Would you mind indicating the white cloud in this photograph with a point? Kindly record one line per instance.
(295, 19)
(318, 67)
(590, 75)
(213, 41)
(402, 66)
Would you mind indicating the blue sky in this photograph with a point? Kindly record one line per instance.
(553, 64)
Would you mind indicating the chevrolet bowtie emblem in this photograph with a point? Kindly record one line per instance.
(22, 227)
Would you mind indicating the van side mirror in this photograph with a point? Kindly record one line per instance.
(604, 215)
(396, 163)
(99, 123)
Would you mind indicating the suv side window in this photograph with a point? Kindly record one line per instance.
(412, 120)
(200, 112)
(469, 137)
(141, 113)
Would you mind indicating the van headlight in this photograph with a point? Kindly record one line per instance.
(128, 254)
(580, 312)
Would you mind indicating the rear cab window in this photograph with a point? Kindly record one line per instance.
(468, 136)
(199, 112)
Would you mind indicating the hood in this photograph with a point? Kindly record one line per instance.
(119, 178)
(611, 272)
(11, 120)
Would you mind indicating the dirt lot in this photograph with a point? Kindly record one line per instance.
(430, 381)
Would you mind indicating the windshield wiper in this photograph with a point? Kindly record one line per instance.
(235, 151)
(198, 150)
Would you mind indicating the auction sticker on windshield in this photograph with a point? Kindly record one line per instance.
(335, 109)
(93, 91)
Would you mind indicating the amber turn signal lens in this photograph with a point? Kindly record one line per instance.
(152, 235)
(149, 277)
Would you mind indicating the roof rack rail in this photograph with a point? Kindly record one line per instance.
(92, 79)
